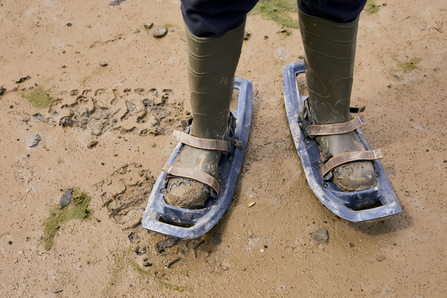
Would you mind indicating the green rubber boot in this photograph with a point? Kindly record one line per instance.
(212, 65)
(329, 61)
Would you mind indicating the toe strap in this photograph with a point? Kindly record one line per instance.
(193, 174)
(348, 157)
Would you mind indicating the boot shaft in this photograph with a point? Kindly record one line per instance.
(212, 65)
(329, 60)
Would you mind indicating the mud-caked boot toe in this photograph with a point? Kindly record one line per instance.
(186, 193)
(354, 176)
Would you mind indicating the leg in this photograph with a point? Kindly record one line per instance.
(212, 60)
(329, 33)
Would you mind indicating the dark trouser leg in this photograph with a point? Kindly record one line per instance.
(339, 11)
(214, 18)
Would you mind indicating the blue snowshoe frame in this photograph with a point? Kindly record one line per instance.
(192, 223)
(338, 202)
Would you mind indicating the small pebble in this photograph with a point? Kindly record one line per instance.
(148, 25)
(132, 237)
(66, 198)
(116, 2)
(69, 24)
(160, 32)
(380, 258)
(2, 90)
(37, 118)
(20, 80)
(34, 140)
(103, 63)
(9, 242)
(139, 251)
(92, 144)
(321, 235)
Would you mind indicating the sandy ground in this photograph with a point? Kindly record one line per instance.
(130, 108)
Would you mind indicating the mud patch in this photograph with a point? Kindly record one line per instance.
(128, 111)
(125, 194)
(158, 253)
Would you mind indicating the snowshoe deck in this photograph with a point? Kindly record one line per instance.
(192, 223)
(381, 198)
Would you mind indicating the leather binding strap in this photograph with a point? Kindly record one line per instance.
(206, 144)
(338, 128)
(348, 157)
(193, 174)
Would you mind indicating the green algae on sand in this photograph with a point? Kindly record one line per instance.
(77, 209)
(279, 11)
(39, 97)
